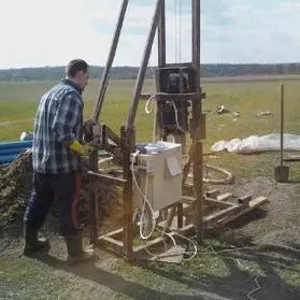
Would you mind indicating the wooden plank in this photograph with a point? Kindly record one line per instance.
(217, 203)
(179, 215)
(188, 199)
(212, 193)
(114, 233)
(150, 243)
(224, 196)
(116, 180)
(245, 199)
(143, 68)
(109, 63)
(161, 36)
(178, 97)
(93, 200)
(128, 141)
(253, 204)
(292, 158)
(111, 241)
(210, 219)
(170, 217)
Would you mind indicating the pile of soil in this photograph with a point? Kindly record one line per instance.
(16, 185)
(15, 188)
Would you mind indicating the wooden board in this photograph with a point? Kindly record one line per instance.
(217, 203)
(212, 193)
(253, 204)
(224, 197)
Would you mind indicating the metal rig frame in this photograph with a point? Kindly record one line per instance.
(121, 241)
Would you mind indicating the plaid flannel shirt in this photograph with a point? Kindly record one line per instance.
(59, 119)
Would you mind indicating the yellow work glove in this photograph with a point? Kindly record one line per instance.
(81, 149)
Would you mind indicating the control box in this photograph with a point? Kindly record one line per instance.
(158, 174)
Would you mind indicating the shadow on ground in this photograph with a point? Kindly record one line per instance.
(275, 265)
(115, 282)
(272, 264)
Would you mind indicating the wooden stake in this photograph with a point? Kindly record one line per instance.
(93, 200)
(127, 138)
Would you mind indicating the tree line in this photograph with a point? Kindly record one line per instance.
(207, 70)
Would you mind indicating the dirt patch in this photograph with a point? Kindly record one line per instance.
(16, 185)
(277, 221)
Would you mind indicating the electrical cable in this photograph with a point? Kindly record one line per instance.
(176, 113)
(149, 101)
(145, 200)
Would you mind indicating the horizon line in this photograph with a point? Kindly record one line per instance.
(138, 66)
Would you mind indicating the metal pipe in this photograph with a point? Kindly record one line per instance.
(143, 68)
(105, 75)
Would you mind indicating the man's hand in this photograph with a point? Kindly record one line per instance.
(81, 149)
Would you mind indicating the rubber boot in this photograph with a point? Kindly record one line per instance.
(75, 252)
(33, 244)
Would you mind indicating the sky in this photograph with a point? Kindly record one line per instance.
(35, 33)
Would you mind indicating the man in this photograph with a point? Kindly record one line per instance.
(56, 152)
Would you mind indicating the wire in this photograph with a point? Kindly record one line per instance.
(145, 200)
(194, 243)
(149, 101)
(255, 290)
(176, 118)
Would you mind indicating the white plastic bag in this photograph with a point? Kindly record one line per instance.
(256, 144)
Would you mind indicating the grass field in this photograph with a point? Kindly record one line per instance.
(212, 275)
(18, 103)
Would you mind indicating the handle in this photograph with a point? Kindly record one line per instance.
(281, 122)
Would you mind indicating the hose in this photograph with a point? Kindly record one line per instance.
(229, 176)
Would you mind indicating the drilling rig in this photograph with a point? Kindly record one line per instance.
(159, 166)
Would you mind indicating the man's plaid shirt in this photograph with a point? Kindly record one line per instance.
(59, 119)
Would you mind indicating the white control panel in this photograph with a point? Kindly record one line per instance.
(159, 175)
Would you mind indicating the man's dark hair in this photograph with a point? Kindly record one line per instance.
(76, 65)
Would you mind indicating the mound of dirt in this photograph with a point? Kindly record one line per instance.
(15, 188)
(16, 185)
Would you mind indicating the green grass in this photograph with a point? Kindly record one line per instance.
(18, 103)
